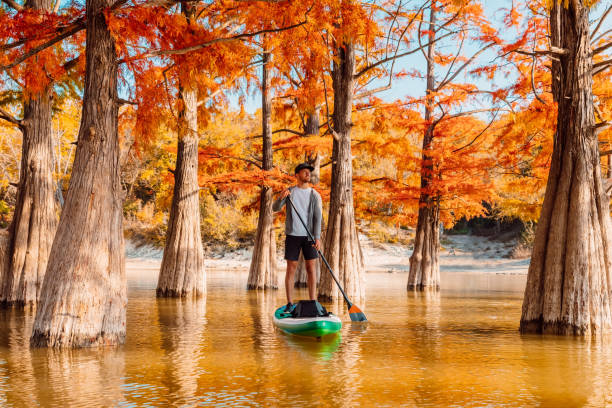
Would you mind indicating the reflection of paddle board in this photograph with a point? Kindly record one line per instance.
(310, 348)
(306, 326)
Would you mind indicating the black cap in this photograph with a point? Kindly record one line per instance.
(303, 166)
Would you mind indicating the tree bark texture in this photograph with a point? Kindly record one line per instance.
(424, 268)
(35, 220)
(341, 244)
(569, 280)
(182, 270)
(83, 298)
(262, 272)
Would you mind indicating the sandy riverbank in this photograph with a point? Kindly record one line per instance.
(460, 253)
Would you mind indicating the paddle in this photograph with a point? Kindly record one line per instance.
(355, 313)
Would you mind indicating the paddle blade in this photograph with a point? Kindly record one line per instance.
(356, 314)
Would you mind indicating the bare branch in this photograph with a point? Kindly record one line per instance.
(335, 134)
(554, 51)
(602, 48)
(603, 63)
(600, 36)
(479, 134)
(382, 61)
(125, 102)
(601, 20)
(461, 68)
(13, 4)
(10, 118)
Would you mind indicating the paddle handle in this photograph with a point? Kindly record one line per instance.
(322, 257)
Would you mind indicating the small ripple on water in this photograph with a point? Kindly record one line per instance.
(457, 348)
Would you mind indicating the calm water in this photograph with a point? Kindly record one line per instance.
(458, 348)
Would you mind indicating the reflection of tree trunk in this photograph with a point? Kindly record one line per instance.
(341, 244)
(568, 283)
(83, 296)
(182, 270)
(17, 387)
(91, 377)
(262, 273)
(182, 323)
(424, 269)
(34, 221)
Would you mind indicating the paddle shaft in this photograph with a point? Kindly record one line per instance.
(322, 257)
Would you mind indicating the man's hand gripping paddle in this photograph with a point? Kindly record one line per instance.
(355, 313)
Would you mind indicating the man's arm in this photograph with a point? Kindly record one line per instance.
(278, 204)
(318, 214)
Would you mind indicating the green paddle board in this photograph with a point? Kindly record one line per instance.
(306, 326)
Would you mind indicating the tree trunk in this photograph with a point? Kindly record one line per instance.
(569, 280)
(34, 221)
(314, 159)
(341, 243)
(83, 296)
(424, 268)
(182, 270)
(262, 272)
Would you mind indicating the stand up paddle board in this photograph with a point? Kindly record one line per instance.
(306, 326)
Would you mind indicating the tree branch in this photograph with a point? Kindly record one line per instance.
(461, 68)
(10, 118)
(603, 63)
(479, 134)
(382, 61)
(602, 48)
(601, 20)
(78, 26)
(181, 51)
(600, 36)
(14, 5)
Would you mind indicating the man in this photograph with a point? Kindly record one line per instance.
(308, 204)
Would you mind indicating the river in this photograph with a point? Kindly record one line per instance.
(460, 347)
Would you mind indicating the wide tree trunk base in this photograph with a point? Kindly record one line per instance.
(262, 271)
(569, 282)
(182, 269)
(343, 253)
(424, 272)
(35, 220)
(84, 296)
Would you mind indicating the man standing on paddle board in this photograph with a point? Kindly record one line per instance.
(308, 203)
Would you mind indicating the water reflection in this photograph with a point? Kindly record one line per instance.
(182, 323)
(458, 347)
(34, 377)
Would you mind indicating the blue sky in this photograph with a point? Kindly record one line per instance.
(415, 87)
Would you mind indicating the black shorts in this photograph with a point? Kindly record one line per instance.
(294, 244)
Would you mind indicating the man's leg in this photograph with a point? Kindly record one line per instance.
(291, 267)
(311, 270)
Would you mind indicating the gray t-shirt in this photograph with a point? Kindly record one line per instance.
(300, 198)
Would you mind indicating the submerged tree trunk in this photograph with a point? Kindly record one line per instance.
(83, 297)
(314, 159)
(424, 269)
(341, 243)
(569, 280)
(262, 272)
(34, 221)
(182, 270)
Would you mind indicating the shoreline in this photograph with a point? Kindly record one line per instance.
(459, 253)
